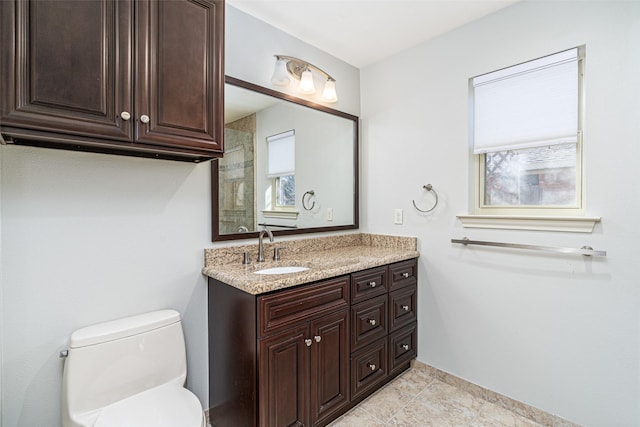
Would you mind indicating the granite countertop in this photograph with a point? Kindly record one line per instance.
(325, 257)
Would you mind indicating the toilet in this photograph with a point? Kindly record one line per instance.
(129, 373)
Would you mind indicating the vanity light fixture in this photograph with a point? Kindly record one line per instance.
(288, 66)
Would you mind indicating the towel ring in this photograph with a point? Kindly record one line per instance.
(427, 187)
(309, 193)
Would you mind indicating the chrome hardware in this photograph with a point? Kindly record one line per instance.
(427, 187)
(276, 254)
(405, 307)
(63, 354)
(405, 346)
(405, 275)
(264, 231)
(317, 338)
(144, 119)
(306, 199)
(372, 366)
(372, 284)
(245, 258)
(585, 250)
(308, 342)
(372, 322)
(125, 116)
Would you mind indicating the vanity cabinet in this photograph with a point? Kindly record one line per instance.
(304, 350)
(403, 346)
(140, 78)
(302, 356)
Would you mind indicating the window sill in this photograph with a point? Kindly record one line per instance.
(281, 214)
(538, 223)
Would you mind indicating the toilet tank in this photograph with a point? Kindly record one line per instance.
(111, 361)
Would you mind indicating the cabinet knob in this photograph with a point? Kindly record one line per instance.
(405, 346)
(405, 275)
(372, 366)
(125, 116)
(372, 284)
(372, 322)
(308, 342)
(144, 119)
(318, 338)
(405, 307)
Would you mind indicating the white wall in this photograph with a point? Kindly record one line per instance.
(561, 333)
(252, 44)
(88, 237)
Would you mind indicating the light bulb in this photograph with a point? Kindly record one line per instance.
(280, 76)
(329, 93)
(306, 83)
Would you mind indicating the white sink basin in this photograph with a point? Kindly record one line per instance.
(281, 270)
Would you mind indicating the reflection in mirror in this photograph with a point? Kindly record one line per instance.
(287, 162)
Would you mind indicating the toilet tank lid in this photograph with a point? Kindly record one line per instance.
(122, 328)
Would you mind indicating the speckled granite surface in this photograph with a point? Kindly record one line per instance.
(325, 257)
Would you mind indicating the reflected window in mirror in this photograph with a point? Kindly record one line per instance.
(281, 169)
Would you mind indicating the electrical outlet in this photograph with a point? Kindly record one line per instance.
(329, 214)
(397, 217)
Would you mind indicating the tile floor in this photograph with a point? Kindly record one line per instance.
(417, 398)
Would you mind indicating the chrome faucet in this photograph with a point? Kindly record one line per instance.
(264, 231)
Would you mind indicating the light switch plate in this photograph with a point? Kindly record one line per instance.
(329, 214)
(397, 216)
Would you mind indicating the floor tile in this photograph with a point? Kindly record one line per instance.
(417, 399)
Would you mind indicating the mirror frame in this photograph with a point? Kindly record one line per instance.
(277, 231)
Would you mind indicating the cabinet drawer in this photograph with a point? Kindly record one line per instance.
(402, 307)
(369, 283)
(288, 307)
(403, 347)
(403, 273)
(369, 321)
(368, 367)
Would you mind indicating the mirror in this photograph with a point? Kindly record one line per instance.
(288, 163)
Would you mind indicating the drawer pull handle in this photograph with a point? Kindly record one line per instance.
(317, 338)
(405, 275)
(405, 307)
(372, 366)
(372, 322)
(372, 284)
(308, 342)
(405, 346)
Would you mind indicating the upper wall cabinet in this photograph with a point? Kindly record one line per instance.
(127, 77)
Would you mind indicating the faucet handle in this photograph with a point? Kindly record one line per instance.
(245, 257)
(276, 254)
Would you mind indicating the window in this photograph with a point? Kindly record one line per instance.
(527, 137)
(281, 169)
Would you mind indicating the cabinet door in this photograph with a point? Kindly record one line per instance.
(66, 67)
(284, 378)
(329, 365)
(179, 75)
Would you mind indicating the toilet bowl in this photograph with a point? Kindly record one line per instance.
(129, 373)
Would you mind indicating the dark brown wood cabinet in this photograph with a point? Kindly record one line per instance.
(139, 78)
(304, 368)
(303, 356)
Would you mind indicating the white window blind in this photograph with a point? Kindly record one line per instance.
(528, 105)
(281, 154)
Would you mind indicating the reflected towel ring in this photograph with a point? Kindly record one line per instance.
(427, 187)
(310, 193)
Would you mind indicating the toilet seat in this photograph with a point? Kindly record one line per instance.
(165, 406)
